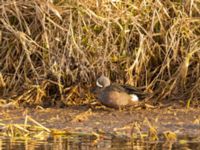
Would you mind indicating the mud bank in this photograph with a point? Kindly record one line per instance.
(125, 122)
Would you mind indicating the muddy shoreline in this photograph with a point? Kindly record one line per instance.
(120, 122)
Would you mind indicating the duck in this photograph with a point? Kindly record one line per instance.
(116, 95)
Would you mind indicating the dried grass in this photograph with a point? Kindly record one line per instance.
(47, 48)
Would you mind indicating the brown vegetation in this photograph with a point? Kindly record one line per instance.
(51, 51)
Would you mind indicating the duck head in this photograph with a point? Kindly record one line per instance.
(103, 82)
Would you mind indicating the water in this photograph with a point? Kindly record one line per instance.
(91, 142)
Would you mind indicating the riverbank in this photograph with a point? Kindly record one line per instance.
(130, 123)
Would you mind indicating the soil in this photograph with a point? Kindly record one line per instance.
(86, 119)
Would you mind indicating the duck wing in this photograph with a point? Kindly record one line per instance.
(116, 87)
(135, 90)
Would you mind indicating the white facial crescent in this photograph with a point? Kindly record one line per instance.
(98, 84)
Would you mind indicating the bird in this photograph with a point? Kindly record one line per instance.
(115, 95)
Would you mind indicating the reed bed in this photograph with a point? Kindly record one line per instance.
(54, 50)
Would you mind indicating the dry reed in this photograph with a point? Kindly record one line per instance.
(48, 48)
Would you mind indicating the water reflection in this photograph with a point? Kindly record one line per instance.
(91, 142)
